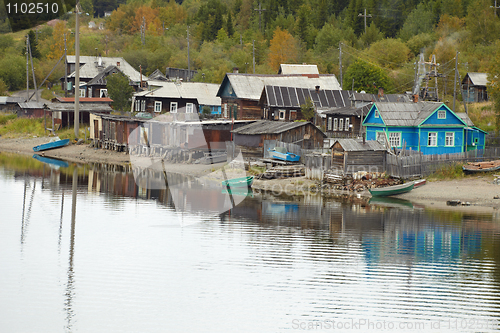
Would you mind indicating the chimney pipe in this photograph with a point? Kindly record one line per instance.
(317, 89)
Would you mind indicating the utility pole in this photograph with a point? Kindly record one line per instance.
(189, 65)
(65, 68)
(33, 72)
(27, 70)
(77, 70)
(365, 16)
(340, 64)
(455, 81)
(253, 57)
(495, 7)
(260, 10)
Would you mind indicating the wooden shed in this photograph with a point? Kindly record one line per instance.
(353, 155)
(301, 133)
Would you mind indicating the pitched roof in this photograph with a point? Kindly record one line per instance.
(205, 93)
(394, 98)
(84, 100)
(357, 145)
(101, 78)
(270, 127)
(350, 110)
(298, 69)
(250, 86)
(478, 79)
(91, 67)
(406, 114)
(276, 96)
(9, 99)
(87, 107)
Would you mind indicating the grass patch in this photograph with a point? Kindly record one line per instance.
(55, 91)
(4, 119)
(256, 170)
(13, 127)
(447, 172)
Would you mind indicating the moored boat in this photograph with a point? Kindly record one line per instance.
(51, 161)
(419, 182)
(391, 190)
(51, 145)
(238, 182)
(280, 153)
(473, 167)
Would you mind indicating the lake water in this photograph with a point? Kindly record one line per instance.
(86, 250)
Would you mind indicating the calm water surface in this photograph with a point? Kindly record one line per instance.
(124, 260)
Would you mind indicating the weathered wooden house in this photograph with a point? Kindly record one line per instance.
(92, 66)
(474, 87)
(10, 104)
(63, 109)
(179, 98)
(346, 121)
(427, 127)
(283, 103)
(98, 86)
(304, 134)
(241, 93)
(353, 155)
(31, 110)
(112, 132)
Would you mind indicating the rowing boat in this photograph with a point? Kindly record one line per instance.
(238, 182)
(473, 167)
(392, 190)
(51, 145)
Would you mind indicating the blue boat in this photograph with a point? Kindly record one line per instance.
(51, 161)
(280, 153)
(51, 145)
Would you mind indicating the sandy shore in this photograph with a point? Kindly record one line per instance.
(478, 191)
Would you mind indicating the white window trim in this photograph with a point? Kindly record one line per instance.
(449, 143)
(282, 114)
(137, 105)
(143, 105)
(341, 124)
(441, 112)
(429, 139)
(347, 124)
(103, 92)
(335, 124)
(329, 126)
(395, 139)
(82, 92)
(173, 107)
(189, 107)
(158, 106)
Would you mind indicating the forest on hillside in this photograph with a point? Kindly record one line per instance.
(224, 34)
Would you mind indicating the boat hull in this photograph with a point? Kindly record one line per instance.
(287, 157)
(391, 190)
(51, 161)
(481, 167)
(238, 182)
(51, 145)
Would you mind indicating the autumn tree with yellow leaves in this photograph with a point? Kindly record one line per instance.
(283, 49)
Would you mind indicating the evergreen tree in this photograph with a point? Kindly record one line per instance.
(229, 25)
(35, 53)
(119, 91)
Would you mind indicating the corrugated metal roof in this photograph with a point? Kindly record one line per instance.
(90, 69)
(87, 107)
(276, 96)
(298, 69)
(9, 99)
(394, 98)
(465, 118)
(351, 110)
(357, 145)
(250, 86)
(269, 127)
(205, 93)
(479, 79)
(85, 100)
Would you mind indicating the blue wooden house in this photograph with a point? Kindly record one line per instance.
(428, 127)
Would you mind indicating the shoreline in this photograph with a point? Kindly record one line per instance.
(479, 191)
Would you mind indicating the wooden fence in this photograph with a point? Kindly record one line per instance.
(424, 165)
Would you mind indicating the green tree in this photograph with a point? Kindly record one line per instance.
(390, 53)
(13, 71)
(35, 53)
(420, 20)
(327, 37)
(482, 25)
(372, 35)
(307, 109)
(3, 88)
(494, 83)
(119, 91)
(229, 25)
(367, 77)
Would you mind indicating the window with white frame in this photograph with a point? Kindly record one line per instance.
(282, 114)
(173, 107)
(82, 92)
(143, 105)
(432, 139)
(335, 124)
(449, 139)
(103, 93)
(90, 92)
(157, 106)
(395, 139)
(441, 114)
(341, 124)
(189, 107)
(329, 126)
(225, 110)
(347, 124)
(137, 105)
